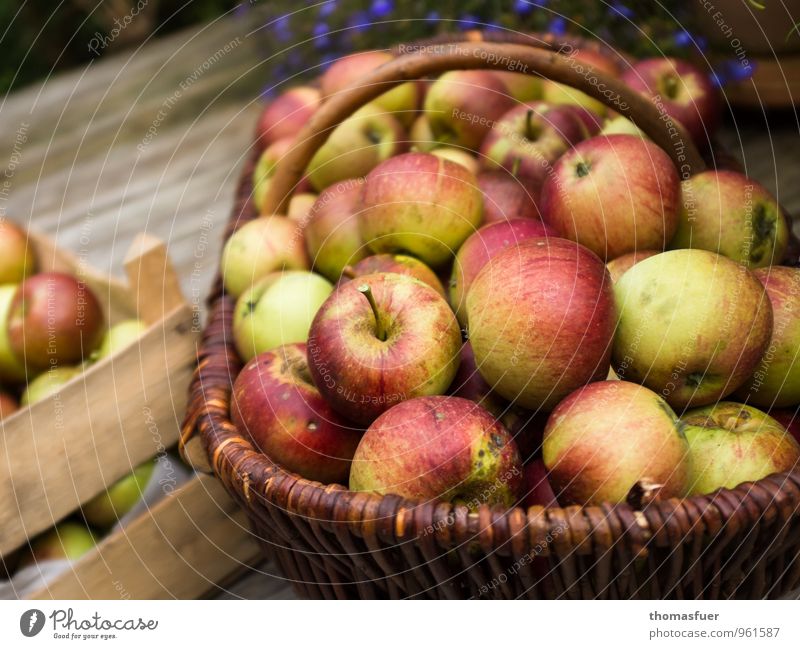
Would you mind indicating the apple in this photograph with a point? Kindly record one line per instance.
(275, 403)
(620, 125)
(538, 490)
(48, 383)
(17, 255)
(288, 113)
(260, 247)
(12, 369)
(529, 138)
(419, 204)
(421, 136)
(402, 264)
(692, 325)
(439, 447)
(480, 247)
(68, 540)
(541, 321)
(582, 62)
(728, 213)
(356, 146)
(776, 381)
(278, 310)
(731, 443)
(379, 340)
(8, 405)
(54, 318)
(607, 436)
(333, 238)
(300, 206)
(107, 507)
(401, 101)
(614, 195)
(522, 87)
(265, 169)
(618, 265)
(507, 197)
(462, 105)
(118, 338)
(681, 91)
(459, 156)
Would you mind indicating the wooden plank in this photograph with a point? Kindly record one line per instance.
(181, 548)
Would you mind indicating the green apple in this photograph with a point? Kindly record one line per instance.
(112, 504)
(300, 205)
(118, 338)
(522, 87)
(459, 156)
(731, 443)
(12, 370)
(49, 383)
(620, 125)
(68, 540)
(278, 311)
(559, 93)
(421, 136)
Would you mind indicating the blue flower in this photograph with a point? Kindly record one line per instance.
(359, 21)
(322, 35)
(280, 28)
(469, 20)
(683, 38)
(327, 9)
(558, 26)
(622, 10)
(381, 8)
(523, 7)
(432, 17)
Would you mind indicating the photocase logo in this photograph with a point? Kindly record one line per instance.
(31, 622)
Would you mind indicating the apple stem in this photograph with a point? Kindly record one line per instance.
(529, 124)
(380, 328)
(515, 166)
(349, 272)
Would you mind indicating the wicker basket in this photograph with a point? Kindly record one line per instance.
(333, 543)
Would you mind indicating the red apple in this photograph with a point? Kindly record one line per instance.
(402, 264)
(607, 436)
(681, 90)
(538, 491)
(275, 403)
(332, 234)
(462, 105)
(480, 247)
(613, 194)
(288, 113)
(618, 265)
(541, 321)
(8, 405)
(17, 255)
(439, 447)
(422, 205)
(507, 197)
(379, 340)
(265, 169)
(54, 319)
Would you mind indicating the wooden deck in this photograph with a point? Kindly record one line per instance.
(152, 141)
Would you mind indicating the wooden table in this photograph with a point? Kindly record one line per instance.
(153, 140)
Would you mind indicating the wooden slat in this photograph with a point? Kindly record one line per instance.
(181, 548)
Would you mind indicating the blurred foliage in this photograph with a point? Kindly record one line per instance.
(39, 37)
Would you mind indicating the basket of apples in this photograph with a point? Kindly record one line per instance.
(581, 411)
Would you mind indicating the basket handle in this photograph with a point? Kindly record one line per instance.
(435, 59)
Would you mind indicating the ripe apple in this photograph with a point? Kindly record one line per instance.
(379, 340)
(421, 136)
(278, 310)
(265, 169)
(439, 447)
(480, 247)
(288, 113)
(776, 381)
(459, 156)
(68, 540)
(356, 146)
(507, 197)
(728, 213)
(681, 90)
(614, 195)
(462, 105)
(275, 403)
(582, 61)
(401, 101)
(529, 138)
(107, 507)
(332, 233)
(8, 405)
(402, 264)
(260, 247)
(538, 490)
(54, 318)
(541, 321)
(12, 369)
(48, 383)
(300, 206)
(731, 443)
(17, 256)
(419, 204)
(522, 87)
(692, 325)
(618, 266)
(118, 338)
(606, 436)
